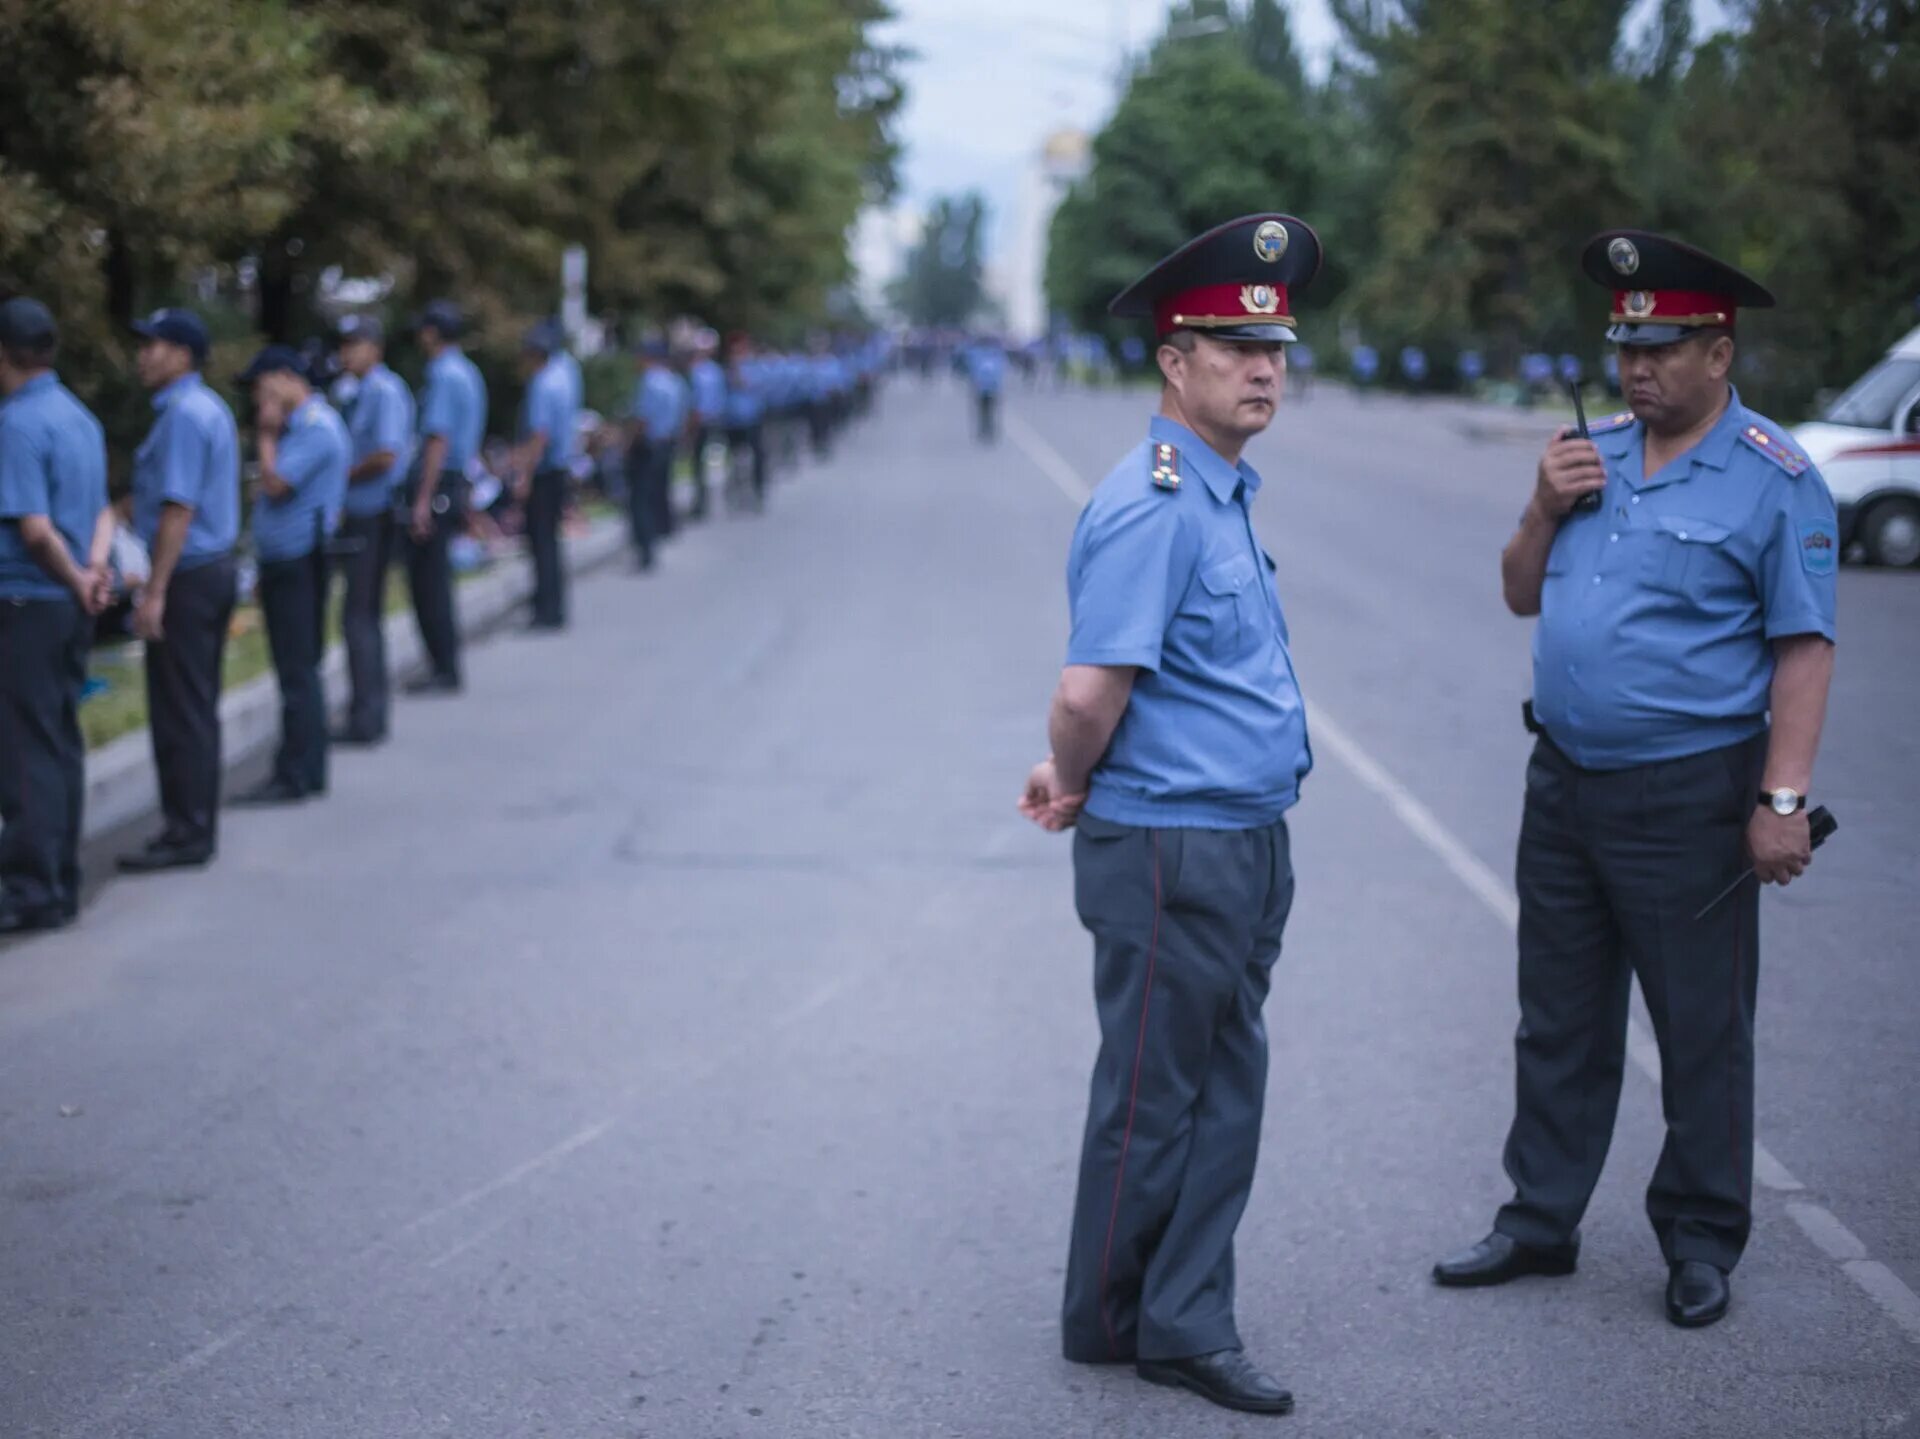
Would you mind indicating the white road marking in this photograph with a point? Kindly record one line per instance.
(1049, 461)
(1821, 1226)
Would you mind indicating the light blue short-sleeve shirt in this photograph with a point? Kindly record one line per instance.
(1659, 609)
(1172, 581)
(191, 456)
(454, 406)
(381, 420)
(550, 408)
(314, 455)
(53, 462)
(660, 403)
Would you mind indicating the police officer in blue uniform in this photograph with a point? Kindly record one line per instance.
(452, 425)
(1682, 567)
(55, 532)
(1179, 744)
(304, 453)
(655, 419)
(543, 463)
(381, 422)
(746, 412)
(708, 382)
(986, 364)
(186, 507)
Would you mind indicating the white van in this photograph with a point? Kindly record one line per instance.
(1867, 445)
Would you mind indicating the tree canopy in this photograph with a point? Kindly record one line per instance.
(1457, 153)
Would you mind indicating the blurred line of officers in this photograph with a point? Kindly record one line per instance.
(354, 473)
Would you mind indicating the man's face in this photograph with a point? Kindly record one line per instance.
(531, 363)
(1232, 386)
(1671, 387)
(358, 357)
(279, 393)
(159, 363)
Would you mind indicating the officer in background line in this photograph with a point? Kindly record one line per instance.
(186, 508)
(655, 419)
(708, 382)
(1179, 744)
(452, 426)
(543, 464)
(745, 412)
(1681, 666)
(55, 535)
(381, 424)
(304, 453)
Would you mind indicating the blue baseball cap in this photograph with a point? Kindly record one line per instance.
(361, 327)
(443, 316)
(274, 360)
(654, 347)
(546, 337)
(176, 327)
(26, 324)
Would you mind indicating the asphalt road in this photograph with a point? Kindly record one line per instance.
(681, 1035)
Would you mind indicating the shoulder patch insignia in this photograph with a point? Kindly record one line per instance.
(1776, 449)
(1611, 423)
(1166, 467)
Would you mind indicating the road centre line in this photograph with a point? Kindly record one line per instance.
(1822, 1227)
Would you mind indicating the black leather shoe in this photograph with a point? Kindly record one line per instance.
(433, 685)
(1697, 1294)
(274, 791)
(1228, 1378)
(1498, 1258)
(353, 738)
(17, 920)
(156, 857)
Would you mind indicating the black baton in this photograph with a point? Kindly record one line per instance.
(1820, 827)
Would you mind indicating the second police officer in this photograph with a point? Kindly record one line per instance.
(1682, 565)
(186, 508)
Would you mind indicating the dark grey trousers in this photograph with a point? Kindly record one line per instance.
(1613, 866)
(369, 539)
(1186, 925)
(43, 666)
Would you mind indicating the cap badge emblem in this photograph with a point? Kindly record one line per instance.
(1270, 242)
(1259, 300)
(1639, 304)
(1624, 257)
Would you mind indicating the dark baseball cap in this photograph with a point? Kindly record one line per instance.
(361, 327)
(274, 360)
(27, 324)
(443, 316)
(655, 347)
(176, 327)
(544, 337)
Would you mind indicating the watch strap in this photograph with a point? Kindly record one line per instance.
(1766, 798)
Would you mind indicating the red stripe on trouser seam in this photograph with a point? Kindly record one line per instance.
(1133, 1098)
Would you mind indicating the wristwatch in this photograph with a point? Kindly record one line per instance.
(1783, 802)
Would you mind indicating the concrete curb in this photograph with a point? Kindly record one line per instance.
(121, 781)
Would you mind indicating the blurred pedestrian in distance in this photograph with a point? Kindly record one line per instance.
(655, 419)
(56, 535)
(708, 383)
(186, 509)
(1413, 366)
(986, 365)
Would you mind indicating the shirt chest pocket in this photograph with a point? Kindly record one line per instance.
(1230, 603)
(1686, 556)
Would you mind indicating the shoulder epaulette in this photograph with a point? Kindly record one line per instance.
(1776, 449)
(1166, 467)
(1611, 423)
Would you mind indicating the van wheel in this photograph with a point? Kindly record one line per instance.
(1891, 533)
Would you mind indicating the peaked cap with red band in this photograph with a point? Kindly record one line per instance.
(1664, 290)
(1234, 282)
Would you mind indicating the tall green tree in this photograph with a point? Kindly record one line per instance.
(941, 285)
(1202, 134)
(1510, 149)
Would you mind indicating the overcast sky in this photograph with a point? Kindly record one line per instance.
(992, 78)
